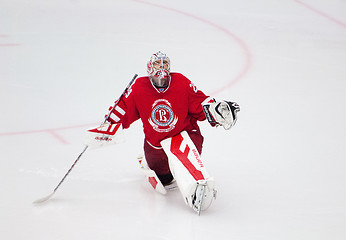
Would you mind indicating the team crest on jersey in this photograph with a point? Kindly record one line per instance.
(162, 117)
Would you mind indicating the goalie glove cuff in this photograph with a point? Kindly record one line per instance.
(222, 113)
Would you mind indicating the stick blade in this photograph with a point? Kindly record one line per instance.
(42, 200)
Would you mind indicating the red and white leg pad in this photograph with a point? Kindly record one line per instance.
(151, 176)
(193, 180)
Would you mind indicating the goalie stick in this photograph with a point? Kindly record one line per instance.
(44, 199)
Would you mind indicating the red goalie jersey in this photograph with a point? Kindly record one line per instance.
(164, 112)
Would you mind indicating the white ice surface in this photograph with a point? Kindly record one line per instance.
(280, 172)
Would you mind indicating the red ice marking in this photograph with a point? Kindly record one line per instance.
(242, 44)
(58, 137)
(322, 13)
(45, 130)
(183, 157)
(52, 132)
(7, 44)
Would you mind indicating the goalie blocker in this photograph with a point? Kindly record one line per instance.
(104, 135)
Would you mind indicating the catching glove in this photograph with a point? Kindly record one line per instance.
(222, 113)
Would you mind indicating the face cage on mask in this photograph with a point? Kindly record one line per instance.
(159, 81)
(159, 76)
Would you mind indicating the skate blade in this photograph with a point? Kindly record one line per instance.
(199, 197)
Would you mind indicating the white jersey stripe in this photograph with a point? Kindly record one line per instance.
(114, 117)
(120, 110)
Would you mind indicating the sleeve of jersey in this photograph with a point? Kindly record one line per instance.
(125, 112)
(196, 98)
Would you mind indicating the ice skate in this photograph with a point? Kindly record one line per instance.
(203, 196)
(171, 186)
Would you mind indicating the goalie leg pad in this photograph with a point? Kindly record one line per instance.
(151, 176)
(189, 171)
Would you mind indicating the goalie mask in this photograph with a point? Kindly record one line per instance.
(158, 69)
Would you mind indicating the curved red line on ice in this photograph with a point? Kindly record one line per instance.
(322, 13)
(240, 42)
